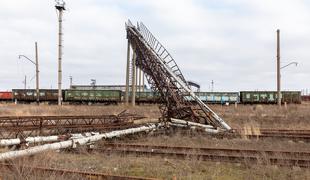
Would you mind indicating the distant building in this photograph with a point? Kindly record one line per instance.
(107, 87)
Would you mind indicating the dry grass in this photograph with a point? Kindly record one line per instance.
(30, 110)
(23, 169)
(266, 116)
(201, 140)
(260, 116)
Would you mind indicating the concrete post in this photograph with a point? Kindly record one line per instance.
(25, 82)
(278, 69)
(60, 8)
(127, 74)
(140, 80)
(133, 86)
(37, 74)
(71, 81)
(143, 83)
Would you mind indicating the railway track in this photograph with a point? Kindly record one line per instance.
(296, 137)
(294, 134)
(65, 172)
(272, 157)
(285, 134)
(278, 131)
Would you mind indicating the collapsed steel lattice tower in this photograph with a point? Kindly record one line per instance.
(164, 76)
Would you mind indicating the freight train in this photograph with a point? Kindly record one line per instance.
(6, 96)
(76, 96)
(305, 97)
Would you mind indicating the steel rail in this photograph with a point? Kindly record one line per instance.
(293, 132)
(292, 135)
(275, 133)
(282, 158)
(283, 131)
(280, 136)
(84, 174)
(207, 149)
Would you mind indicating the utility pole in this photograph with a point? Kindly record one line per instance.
(278, 69)
(127, 74)
(212, 86)
(60, 6)
(93, 83)
(70, 81)
(133, 85)
(143, 81)
(36, 63)
(140, 81)
(37, 74)
(137, 79)
(25, 82)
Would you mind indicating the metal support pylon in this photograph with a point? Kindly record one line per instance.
(165, 77)
(133, 80)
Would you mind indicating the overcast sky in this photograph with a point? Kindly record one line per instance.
(232, 42)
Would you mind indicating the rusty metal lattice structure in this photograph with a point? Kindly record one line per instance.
(25, 126)
(165, 77)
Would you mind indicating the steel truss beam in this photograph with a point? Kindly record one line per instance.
(25, 126)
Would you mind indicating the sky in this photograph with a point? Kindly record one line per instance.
(232, 42)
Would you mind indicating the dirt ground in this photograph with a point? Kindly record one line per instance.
(264, 116)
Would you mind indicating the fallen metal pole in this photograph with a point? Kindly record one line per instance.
(193, 125)
(41, 139)
(180, 121)
(76, 142)
(208, 130)
(10, 142)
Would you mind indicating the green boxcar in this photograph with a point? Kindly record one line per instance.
(113, 96)
(269, 97)
(291, 97)
(146, 97)
(218, 97)
(30, 95)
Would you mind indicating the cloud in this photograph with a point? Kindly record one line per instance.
(229, 41)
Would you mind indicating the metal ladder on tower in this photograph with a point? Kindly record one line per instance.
(160, 51)
(145, 39)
